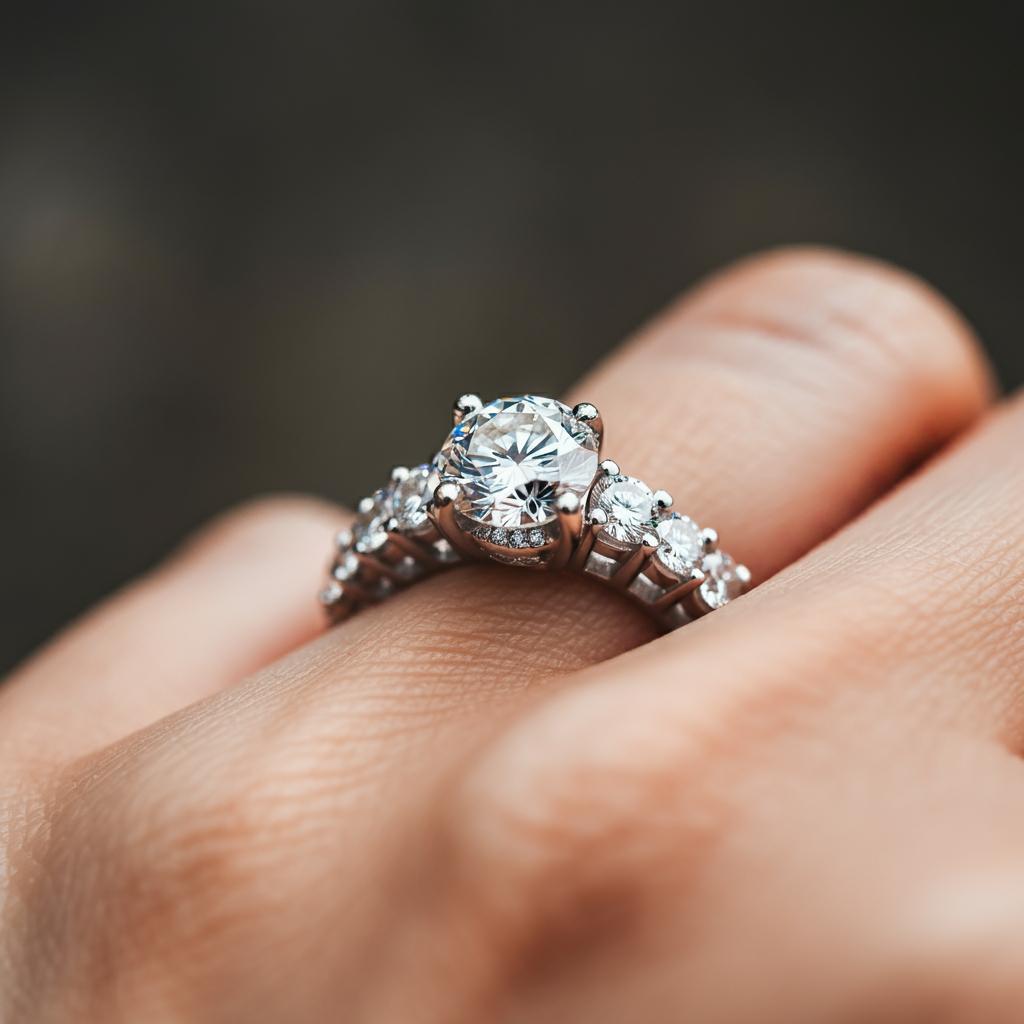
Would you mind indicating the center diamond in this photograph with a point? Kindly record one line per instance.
(514, 456)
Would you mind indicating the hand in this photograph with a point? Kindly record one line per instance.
(469, 804)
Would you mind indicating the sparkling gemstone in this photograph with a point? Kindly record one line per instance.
(411, 497)
(514, 456)
(370, 530)
(537, 538)
(517, 539)
(681, 544)
(346, 567)
(629, 505)
(722, 583)
(331, 594)
(499, 535)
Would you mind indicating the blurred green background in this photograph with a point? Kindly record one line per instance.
(235, 238)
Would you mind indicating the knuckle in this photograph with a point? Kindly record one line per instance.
(873, 318)
(568, 818)
(954, 958)
(154, 874)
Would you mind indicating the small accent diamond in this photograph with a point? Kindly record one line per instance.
(723, 583)
(411, 498)
(681, 544)
(346, 567)
(370, 529)
(331, 594)
(536, 538)
(499, 535)
(517, 539)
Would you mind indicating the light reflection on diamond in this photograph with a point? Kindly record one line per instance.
(514, 455)
(629, 505)
(722, 583)
(681, 544)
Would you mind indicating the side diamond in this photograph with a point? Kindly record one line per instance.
(411, 498)
(681, 545)
(629, 505)
(370, 530)
(346, 567)
(724, 580)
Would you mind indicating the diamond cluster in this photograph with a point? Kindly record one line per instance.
(627, 512)
(402, 506)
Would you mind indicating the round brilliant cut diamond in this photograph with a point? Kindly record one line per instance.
(514, 456)
(346, 567)
(628, 504)
(681, 544)
(723, 583)
(411, 497)
(370, 530)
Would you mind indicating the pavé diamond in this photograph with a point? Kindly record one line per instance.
(411, 497)
(513, 456)
(722, 583)
(629, 505)
(681, 545)
(536, 538)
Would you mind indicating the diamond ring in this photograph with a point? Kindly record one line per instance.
(521, 481)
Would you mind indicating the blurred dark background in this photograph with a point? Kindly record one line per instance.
(236, 238)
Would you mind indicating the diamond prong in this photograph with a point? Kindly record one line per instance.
(365, 506)
(567, 503)
(570, 524)
(663, 500)
(400, 473)
(465, 405)
(634, 563)
(588, 413)
(709, 538)
(446, 494)
(610, 468)
(743, 574)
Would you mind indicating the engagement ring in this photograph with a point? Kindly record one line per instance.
(521, 481)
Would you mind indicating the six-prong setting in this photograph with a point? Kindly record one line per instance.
(521, 481)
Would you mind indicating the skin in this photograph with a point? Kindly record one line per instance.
(500, 798)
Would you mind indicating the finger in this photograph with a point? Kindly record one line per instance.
(233, 599)
(930, 585)
(363, 726)
(903, 632)
(774, 403)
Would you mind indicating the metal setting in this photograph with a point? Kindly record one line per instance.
(521, 481)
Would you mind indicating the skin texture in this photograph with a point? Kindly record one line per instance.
(498, 798)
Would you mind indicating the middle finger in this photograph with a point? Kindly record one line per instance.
(774, 402)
